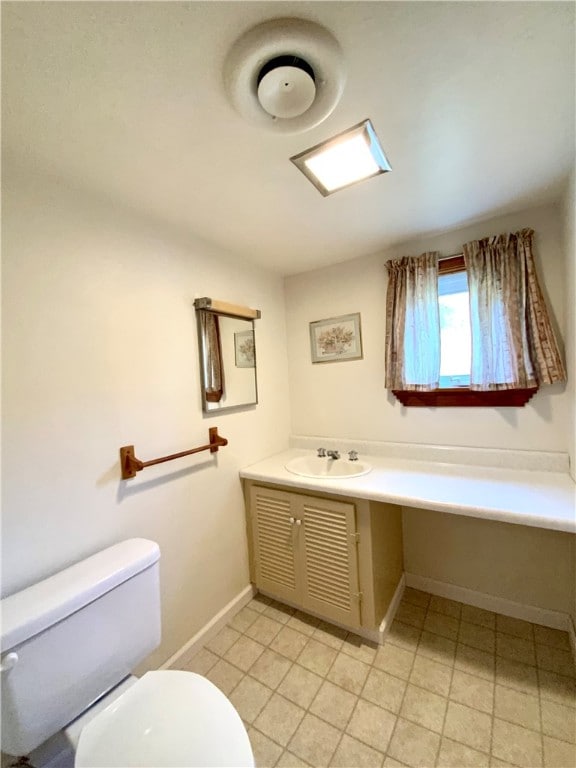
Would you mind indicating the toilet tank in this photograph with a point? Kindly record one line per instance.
(70, 638)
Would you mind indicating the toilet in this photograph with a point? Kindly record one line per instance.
(69, 644)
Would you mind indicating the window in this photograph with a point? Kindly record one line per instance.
(455, 335)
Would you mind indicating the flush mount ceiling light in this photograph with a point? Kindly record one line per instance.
(345, 159)
(285, 75)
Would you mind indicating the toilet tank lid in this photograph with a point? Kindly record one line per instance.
(26, 613)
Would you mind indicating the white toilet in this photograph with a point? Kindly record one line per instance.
(68, 647)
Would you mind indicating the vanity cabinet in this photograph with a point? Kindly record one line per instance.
(340, 559)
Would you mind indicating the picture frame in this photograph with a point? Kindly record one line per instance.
(244, 349)
(336, 339)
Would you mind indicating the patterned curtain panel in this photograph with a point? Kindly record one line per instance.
(513, 343)
(412, 323)
(212, 354)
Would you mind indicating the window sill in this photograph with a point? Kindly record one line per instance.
(462, 397)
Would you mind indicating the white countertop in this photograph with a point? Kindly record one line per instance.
(538, 499)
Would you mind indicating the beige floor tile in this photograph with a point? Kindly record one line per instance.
(300, 686)
(439, 624)
(517, 707)
(555, 660)
(303, 623)
(515, 627)
(250, 697)
(431, 675)
(266, 752)
(477, 636)
(279, 612)
(349, 673)
(225, 676)
(360, 648)
(474, 615)
(244, 653)
(330, 635)
(455, 755)
(437, 648)
(445, 606)
(394, 660)
(557, 688)
(416, 597)
(315, 741)
(475, 661)
(424, 708)
(558, 721)
(288, 760)
(515, 744)
(513, 674)
(259, 603)
(371, 725)
(289, 643)
(468, 726)
(390, 762)
(559, 754)
(243, 619)
(403, 635)
(264, 629)
(333, 704)
(473, 691)
(224, 640)
(317, 657)
(201, 662)
(410, 614)
(352, 753)
(515, 648)
(384, 690)
(279, 719)
(413, 745)
(554, 637)
(270, 668)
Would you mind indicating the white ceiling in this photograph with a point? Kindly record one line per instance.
(473, 103)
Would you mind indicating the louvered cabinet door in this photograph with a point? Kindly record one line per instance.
(327, 543)
(274, 540)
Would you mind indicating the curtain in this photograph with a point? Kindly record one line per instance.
(513, 343)
(212, 357)
(412, 323)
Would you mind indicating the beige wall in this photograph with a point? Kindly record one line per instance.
(348, 399)
(100, 350)
(570, 248)
(527, 565)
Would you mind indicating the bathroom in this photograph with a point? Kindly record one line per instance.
(115, 218)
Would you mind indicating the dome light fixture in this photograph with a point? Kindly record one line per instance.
(343, 160)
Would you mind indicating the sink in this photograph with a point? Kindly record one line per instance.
(327, 468)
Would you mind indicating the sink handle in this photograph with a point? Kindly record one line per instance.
(353, 455)
(321, 453)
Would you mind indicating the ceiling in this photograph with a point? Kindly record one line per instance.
(473, 104)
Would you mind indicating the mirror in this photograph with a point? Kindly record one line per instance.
(227, 354)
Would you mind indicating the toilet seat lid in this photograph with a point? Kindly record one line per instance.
(167, 718)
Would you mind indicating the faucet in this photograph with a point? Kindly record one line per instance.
(321, 453)
(333, 454)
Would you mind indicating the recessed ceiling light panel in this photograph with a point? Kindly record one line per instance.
(346, 159)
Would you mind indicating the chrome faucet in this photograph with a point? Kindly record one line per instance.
(353, 455)
(333, 454)
(321, 453)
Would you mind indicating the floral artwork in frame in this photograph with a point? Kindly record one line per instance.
(244, 349)
(337, 338)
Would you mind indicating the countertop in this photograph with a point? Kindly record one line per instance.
(537, 499)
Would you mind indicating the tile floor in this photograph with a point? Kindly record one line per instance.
(452, 686)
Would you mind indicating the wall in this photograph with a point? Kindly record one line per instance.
(348, 399)
(100, 351)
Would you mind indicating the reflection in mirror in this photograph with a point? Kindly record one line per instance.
(227, 356)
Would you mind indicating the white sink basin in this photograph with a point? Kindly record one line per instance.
(327, 468)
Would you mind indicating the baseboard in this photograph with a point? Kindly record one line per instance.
(214, 626)
(532, 613)
(392, 608)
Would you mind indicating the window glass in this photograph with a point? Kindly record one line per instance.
(455, 343)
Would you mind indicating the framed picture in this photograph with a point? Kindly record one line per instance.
(244, 349)
(338, 338)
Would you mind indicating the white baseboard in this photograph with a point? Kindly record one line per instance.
(392, 608)
(214, 626)
(532, 613)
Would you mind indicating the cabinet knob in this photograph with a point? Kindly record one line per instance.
(292, 520)
(298, 522)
